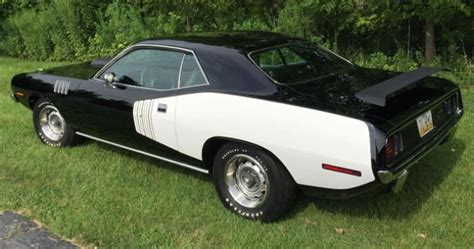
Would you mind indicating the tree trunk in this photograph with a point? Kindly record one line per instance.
(409, 37)
(430, 47)
(188, 25)
(336, 40)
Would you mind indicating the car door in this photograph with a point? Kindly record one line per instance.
(138, 109)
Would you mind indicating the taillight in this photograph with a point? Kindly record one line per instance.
(451, 105)
(393, 147)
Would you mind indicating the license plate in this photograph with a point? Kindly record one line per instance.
(425, 123)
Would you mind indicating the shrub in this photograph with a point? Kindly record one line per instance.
(119, 27)
(33, 28)
(459, 68)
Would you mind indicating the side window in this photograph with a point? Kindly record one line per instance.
(269, 61)
(191, 74)
(269, 58)
(150, 68)
(290, 57)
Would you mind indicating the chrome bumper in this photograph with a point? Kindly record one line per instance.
(387, 177)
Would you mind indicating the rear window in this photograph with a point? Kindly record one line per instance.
(299, 63)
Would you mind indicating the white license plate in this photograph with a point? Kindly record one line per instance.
(425, 123)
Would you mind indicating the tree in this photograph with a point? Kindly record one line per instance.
(318, 17)
(437, 14)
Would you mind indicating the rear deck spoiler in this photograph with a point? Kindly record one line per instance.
(379, 93)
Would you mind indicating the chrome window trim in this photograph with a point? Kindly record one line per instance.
(185, 165)
(127, 50)
(180, 71)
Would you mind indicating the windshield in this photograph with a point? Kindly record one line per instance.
(299, 63)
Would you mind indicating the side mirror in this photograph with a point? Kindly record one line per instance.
(110, 78)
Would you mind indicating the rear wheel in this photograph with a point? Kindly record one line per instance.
(251, 183)
(50, 125)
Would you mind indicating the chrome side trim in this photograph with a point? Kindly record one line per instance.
(145, 153)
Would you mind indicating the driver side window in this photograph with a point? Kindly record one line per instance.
(151, 68)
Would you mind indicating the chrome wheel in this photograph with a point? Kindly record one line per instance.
(246, 180)
(52, 123)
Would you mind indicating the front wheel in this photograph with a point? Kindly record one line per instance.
(51, 126)
(251, 183)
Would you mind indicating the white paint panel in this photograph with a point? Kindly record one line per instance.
(159, 126)
(301, 138)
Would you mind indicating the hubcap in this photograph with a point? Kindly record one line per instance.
(52, 123)
(246, 180)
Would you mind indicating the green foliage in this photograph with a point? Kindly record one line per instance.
(460, 69)
(84, 29)
(120, 26)
(56, 30)
(33, 27)
(398, 62)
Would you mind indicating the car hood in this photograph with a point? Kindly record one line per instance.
(336, 94)
(83, 71)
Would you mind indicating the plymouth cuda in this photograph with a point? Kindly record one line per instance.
(266, 115)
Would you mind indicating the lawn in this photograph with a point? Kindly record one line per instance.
(103, 196)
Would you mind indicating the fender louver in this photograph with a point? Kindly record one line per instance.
(379, 93)
(62, 87)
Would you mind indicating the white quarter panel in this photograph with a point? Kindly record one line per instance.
(301, 138)
(159, 126)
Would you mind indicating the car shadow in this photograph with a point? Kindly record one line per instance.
(423, 179)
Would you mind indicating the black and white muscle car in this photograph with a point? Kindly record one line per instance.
(265, 114)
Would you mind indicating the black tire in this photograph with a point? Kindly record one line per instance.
(64, 137)
(279, 186)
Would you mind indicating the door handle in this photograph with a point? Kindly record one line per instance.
(162, 107)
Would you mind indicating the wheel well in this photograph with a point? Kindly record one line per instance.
(32, 100)
(212, 145)
(209, 151)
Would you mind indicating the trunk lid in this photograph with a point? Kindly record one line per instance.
(337, 94)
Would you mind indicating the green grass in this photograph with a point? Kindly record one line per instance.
(107, 197)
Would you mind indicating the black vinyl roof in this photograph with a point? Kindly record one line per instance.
(245, 41)
(223, 57)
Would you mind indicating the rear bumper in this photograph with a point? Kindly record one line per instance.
(446, 133)
(394, 177)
